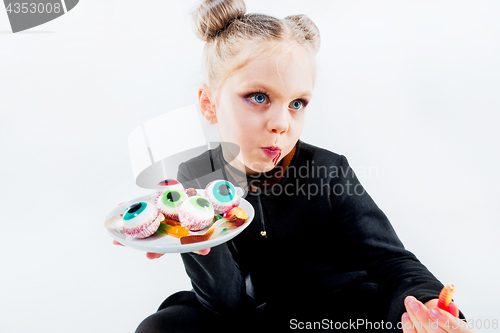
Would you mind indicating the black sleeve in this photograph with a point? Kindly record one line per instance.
(216, 278)
(396, 270)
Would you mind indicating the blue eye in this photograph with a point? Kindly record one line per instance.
(134, 210)
(297, 104)
(224, 191)
(259, 98)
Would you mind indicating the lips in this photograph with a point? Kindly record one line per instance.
(271, 152)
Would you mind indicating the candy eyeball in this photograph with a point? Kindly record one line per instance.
(168, 202)
(223, 195)
(196, 213)
(141, 219)
(171, 183)
(168, 184)
(134, 210)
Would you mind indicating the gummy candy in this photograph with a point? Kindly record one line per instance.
(236, 211)
(445, 297)
(171, 222)
(214, 230)
(175, 231)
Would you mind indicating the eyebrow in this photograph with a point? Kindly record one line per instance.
(272, 88)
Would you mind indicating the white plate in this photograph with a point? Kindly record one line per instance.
(169, 244)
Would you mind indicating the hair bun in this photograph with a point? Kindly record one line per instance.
(213, 16)
(308, 30)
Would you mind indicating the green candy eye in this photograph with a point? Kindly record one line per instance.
(173, 198)
(134, 210)
(202, 204)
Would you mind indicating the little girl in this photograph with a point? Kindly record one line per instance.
(319, 253)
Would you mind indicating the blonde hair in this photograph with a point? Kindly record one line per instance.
(233, 37)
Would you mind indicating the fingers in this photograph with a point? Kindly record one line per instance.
(431, 303)
(151, 255)
(418, 315)
(449, 322)
(434, 319)
(453, 309)
(407, 326)
(202, 252)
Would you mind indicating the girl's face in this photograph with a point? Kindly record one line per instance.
(263, 105)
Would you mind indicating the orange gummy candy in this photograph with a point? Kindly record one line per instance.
(238, 212)
(175, 231)
(170, 222)
(445, 297)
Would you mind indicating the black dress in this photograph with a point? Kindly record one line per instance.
(318, 254)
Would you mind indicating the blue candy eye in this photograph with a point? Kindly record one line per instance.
(134, 210)
(259, 98)
(224, 191)
(297, 104)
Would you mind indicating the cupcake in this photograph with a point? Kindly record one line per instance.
(141, 220)
(196, 213)
(223, 195)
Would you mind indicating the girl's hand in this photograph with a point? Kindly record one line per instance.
(421, 318)
(203, 252)
(151, 255)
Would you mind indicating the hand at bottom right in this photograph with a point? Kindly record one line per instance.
(427, 318)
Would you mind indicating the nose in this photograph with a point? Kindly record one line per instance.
(278, 121)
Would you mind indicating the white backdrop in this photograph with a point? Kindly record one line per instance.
(407, 90)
